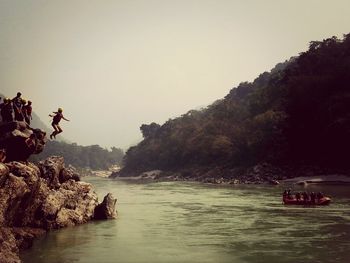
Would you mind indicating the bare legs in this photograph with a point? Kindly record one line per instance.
(57, 130)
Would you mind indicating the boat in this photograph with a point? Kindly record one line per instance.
(325, 200)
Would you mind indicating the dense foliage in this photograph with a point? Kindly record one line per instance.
(94, 156)
(297, 113)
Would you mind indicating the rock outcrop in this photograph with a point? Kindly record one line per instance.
(37, 198)
(106, 210)
(18, 141)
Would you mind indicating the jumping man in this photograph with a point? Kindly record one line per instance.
(55, 122)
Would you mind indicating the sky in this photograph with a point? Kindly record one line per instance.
(115, 65)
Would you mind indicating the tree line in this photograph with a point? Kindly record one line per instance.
(298, 113)
(94, 157)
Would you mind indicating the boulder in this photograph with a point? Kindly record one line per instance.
(4, 170)
(8, 247)
(69, 173)
(37, 198)
(14, 239)
(18, 141)
(73, 203)
(106, 210)
(51, 169)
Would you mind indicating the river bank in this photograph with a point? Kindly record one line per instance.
(263, 173)
(98, 173)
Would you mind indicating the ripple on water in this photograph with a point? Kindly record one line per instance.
(190, 222)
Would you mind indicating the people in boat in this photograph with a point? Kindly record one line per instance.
(305, 196)
(319, 196)
(7, 111)
(27, 112)
(55, 122)
(313, 197)
(285, 193)
(17, 107)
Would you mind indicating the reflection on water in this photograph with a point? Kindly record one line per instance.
(190, 222)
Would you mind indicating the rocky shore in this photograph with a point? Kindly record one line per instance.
(37, 198)
(263, 173)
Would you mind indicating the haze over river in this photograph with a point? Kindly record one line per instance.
(161, 222)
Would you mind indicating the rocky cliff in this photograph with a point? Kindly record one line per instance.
(37, 198)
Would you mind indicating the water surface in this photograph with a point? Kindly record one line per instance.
(192, 222)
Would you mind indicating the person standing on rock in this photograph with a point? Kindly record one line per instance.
(1, 107)
(17, 106)
(55, 122)
(23, 110)
(7, 111)
(27, 112)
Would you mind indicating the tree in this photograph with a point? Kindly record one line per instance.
(149, 130)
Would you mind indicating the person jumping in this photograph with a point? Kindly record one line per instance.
(55, 122)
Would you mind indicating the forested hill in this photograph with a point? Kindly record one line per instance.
(299, 113)
(94, 156)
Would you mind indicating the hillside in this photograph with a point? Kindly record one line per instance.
(94, 156)
(297, 114)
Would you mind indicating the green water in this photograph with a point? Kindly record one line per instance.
(190, 222)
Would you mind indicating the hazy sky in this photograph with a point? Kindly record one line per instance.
(114, 65)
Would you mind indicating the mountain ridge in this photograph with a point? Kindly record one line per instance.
(296, 114)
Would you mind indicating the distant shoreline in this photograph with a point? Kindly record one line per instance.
(321, 179)
(263, 173)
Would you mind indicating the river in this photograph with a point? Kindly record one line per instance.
(161, 222)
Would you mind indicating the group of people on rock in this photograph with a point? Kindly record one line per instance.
(303, 196)
(16, 109)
